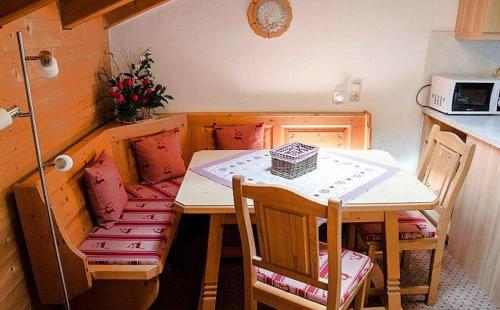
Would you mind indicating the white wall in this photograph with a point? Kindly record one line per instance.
(212, 61)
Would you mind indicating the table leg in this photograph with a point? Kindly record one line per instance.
(208, 292)
(392, 260)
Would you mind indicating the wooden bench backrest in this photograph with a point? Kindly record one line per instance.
(69, 205)
(333, 130)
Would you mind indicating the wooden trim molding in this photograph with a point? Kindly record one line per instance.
(11, 10)
(75, 12)
(130, 10)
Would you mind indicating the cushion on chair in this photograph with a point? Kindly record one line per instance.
(159, 156)
(141, 234)
(241, 137)
(162, 190)
(123, 252)
(412, 225)
(149, 205)
(354, 267)
(106, 191)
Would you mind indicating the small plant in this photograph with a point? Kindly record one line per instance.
(135, 90)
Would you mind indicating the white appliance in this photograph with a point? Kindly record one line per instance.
(462, 94)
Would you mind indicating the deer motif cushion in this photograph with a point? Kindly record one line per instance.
(241, 137)
(159, 156)
(106, 191)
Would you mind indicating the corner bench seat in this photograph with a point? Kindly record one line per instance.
(143, 234)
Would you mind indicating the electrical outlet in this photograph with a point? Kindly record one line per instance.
(338, 96)
(355, 93)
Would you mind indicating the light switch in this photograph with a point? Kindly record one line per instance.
(355, 93)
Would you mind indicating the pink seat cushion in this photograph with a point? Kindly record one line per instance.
(148, 231)
(159, 156)
(106, 191)
(123, 251)
(139, 237)
(141, 233)
(412, 225)
(161, 190)
(354, 267)
(242, 137)
(149, 205)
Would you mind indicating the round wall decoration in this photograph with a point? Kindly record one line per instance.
(269, 18)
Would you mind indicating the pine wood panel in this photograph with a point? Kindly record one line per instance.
(130, 10)
(473, 236)
(348, 130)
(67, 109)
(478, 20)
(14, 9)
(75, 12)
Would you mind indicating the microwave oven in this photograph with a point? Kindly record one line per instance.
(461, 94)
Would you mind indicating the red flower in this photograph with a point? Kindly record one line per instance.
(120, 98)
(135, 98)
(112, 93)
(158, 87)
(129, 82)
(119, 85)
(145, 82)
(145, 100)
(149, 91)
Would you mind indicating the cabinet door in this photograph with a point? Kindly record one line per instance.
(492, 23)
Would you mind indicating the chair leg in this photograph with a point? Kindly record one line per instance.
(359, 302)
(371, 254)
(405, 264)
(351, 239)
(434, 274)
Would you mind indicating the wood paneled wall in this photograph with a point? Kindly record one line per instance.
(68, 107)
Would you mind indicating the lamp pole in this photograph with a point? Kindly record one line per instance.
(39, 159)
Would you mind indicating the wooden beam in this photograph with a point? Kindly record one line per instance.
(75, 12)
(130, 10)
(11, 10)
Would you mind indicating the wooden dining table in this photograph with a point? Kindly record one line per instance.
(403, 191)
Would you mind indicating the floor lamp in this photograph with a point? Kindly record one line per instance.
(49, 68)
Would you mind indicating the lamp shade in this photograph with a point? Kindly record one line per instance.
(5, 119)
(63, 163)
(50, 69)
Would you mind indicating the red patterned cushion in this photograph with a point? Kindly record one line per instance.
(106, 191)
(159, 156)
(123, 252)
(138, 218)
(412, 225)
(159, 231)
(242, 137)
(138, 238)
(354, 267)
(144, 205)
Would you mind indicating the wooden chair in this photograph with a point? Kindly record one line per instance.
(443, 167)
(295, 270)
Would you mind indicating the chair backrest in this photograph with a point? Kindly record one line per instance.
(443, 167)
(288, 236)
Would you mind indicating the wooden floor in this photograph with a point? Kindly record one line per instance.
(180, 282)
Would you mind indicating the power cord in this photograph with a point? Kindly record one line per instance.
(418, 93)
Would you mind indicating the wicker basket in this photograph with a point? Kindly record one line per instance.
(294, 159)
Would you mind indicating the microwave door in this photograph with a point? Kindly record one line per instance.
(472, 97)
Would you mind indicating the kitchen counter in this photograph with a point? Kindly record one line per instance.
(482, 127)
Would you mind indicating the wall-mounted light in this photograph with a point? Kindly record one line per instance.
(47, 64)
(48, 68)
